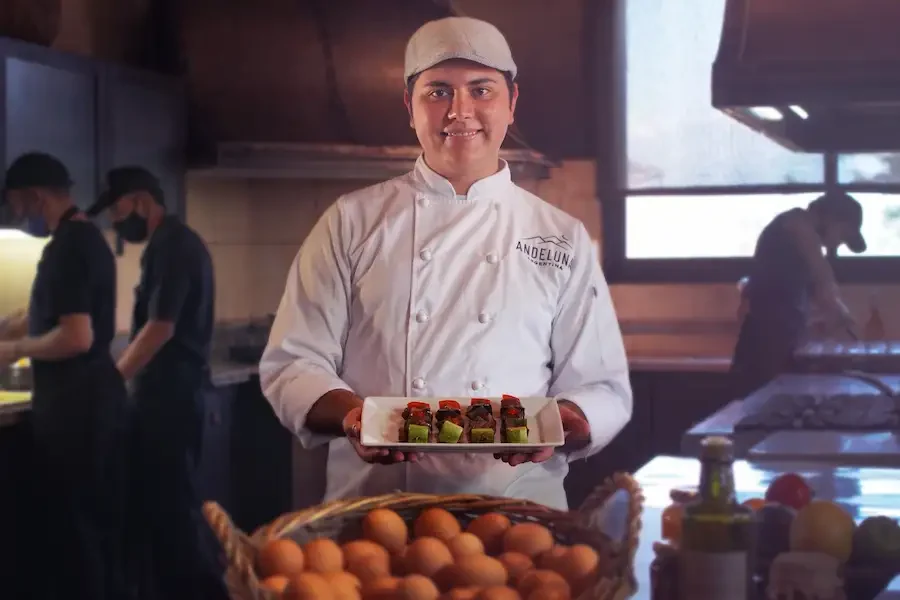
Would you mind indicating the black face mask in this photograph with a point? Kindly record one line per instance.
(132, 228)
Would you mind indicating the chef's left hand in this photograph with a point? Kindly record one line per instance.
(577, 431)
(8, 353)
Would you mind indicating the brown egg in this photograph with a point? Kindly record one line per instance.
(529, 539)
(384, 588)
(418, 587)
(553, 559)
(398, 563)
(308, 586)
(366, 560)
(279, 557)
(343, 579)
(323, 556)
(344, 586)
(489, 529)
(275, 583)
(465, 544)
(516, 565)
(479, 570)
(541, 579)
(469, 593)
(550, 593)
(387, 528)
(580, 567)
(498, 592)
(437, 523)
(426, 556)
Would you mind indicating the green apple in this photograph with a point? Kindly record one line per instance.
(877, 540)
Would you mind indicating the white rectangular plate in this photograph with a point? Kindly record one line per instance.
(382, 418)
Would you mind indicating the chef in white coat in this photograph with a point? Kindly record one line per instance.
(448, 281)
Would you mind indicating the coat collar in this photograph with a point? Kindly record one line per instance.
(437, 187)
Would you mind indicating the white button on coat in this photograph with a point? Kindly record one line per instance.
(484, 318)
(422, 316)
(343, 324)
(476, 385)
(426, 255)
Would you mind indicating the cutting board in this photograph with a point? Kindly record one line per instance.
(7, 398)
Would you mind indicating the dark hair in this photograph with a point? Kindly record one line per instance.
(507, 77)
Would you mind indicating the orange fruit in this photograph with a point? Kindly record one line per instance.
(754, 503)
(671, 522)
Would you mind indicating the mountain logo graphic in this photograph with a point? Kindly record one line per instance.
(558, 240)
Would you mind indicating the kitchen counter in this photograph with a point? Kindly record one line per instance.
(223, 373)
(707, 364)
(863, 492)
(722, 422)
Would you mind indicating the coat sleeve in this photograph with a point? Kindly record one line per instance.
(303, 358)
(590, 368)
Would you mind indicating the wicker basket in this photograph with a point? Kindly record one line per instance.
(341, 520)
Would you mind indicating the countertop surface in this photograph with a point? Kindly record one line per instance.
(722, 422)
(863, 492)
(226, 372)
(223, 373)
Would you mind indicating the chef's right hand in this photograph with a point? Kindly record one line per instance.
(380, 456)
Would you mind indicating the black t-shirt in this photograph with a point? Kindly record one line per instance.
(76, 275)
(176, 285)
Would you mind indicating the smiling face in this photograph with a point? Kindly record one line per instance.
(461, 112)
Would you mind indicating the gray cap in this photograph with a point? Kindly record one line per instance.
(457, 37)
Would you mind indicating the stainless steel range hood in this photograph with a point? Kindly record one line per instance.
(254, 160)
(813, 75)
(314, 89)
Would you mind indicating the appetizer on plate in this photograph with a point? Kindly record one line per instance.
(482, 425)
(449, 422)
(513, 423)
(416, 427)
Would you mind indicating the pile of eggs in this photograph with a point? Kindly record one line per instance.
(493, 559)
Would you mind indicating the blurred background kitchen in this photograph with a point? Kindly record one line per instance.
(258, 115)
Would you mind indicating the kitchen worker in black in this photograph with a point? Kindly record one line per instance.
(789, 273)
(167, 363)
(78, 408)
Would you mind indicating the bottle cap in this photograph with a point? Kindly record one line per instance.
(718, 448)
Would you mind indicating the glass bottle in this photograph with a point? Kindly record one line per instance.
(718, 535)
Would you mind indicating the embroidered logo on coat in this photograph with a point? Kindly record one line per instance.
(547, 250)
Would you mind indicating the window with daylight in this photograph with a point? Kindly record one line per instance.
(699, 185)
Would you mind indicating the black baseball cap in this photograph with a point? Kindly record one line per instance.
(847, 209)
(36, 170)
(126, 180)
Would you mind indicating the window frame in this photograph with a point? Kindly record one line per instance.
(611, 180)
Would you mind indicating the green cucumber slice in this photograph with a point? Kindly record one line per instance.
(450, 433)
(516, 435)
(481, 436)
(417, 434)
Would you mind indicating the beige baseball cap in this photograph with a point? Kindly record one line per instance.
(457, 37)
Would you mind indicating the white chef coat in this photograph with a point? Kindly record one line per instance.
(407, 289)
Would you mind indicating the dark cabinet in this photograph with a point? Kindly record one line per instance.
(93, 116)
(142, 122)
(50, 103)
(214, 481)
(666, 405)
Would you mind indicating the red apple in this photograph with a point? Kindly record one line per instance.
(790, 490)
